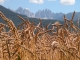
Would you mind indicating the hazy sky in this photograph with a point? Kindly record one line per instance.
(55, 6)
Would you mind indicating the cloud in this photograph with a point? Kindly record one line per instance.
(37, 1)
(27, 8)
(1, 1)
(67, 2)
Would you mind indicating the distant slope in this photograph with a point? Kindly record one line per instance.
(10, 14)
(13, 16)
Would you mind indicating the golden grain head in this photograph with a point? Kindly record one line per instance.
(26, 44)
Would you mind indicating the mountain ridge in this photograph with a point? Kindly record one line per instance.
(47, 14)
(26, 12)
(43, 14)
(10, 14)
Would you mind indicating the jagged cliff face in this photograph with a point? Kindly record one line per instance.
(26, 12)
(46, 14)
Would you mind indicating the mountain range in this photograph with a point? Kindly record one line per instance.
(12, 15)
(46, 14)
(26, 12)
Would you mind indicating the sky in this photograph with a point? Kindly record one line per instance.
(56, 6)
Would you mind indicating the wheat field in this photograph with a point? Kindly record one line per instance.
(30, 42)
